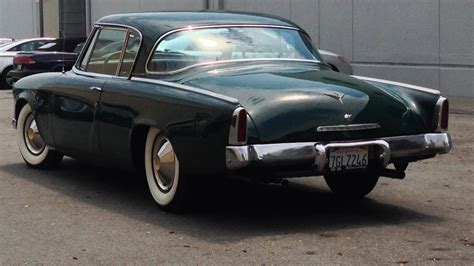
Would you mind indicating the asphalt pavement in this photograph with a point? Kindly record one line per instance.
(82, 214)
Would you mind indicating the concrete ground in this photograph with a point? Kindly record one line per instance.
(79, 214)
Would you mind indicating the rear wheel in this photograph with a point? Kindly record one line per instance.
(32, 147)
(167, 185)
(4, 84)
(353, 186)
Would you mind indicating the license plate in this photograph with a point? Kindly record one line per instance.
(341, 159)
(18, 67)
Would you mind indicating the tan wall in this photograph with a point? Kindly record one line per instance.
(51, 18)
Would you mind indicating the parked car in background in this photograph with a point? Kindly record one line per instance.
(4, 41)
(8, 51)
(46, 59)
(337, 62)
(193, 94)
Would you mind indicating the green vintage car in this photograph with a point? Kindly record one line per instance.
(184, 95)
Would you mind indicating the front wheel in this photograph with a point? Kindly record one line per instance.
(167, 185)
(32, 147)
(352, 186)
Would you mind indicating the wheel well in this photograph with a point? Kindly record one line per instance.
(19, 105)
(6, 70)
(138, 139)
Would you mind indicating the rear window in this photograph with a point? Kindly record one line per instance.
(183, 49)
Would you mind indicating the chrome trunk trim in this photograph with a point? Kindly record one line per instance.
(347, 127)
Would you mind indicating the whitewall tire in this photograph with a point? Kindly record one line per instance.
(32, 147)
(162, 170)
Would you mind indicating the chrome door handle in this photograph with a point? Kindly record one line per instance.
(96, 88)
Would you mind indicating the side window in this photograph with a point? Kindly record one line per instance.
(29, 46)
(131, 50)
(104, 52)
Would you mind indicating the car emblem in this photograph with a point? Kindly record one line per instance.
(336, 95)
(347, 117)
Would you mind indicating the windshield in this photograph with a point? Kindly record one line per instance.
(186, 48)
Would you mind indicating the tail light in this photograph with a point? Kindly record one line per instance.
(442, 107)
(238, 128)
(23, 60)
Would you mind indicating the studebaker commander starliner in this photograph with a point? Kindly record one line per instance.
(182, 95)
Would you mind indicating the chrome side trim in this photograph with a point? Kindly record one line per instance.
(187, 88)
(94, 75)
(408, 86)
(313, 155)
(347, 127)
(212, 27)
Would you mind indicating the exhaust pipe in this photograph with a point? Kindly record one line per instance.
(391, 173)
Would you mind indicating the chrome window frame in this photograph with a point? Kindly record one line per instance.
(113, 26)
(190, 28)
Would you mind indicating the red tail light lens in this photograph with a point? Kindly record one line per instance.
(238, 128)
(242, 126)
(444, 119)
(23, 60)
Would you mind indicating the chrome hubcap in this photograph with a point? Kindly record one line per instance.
(164, 164)
(33, 140)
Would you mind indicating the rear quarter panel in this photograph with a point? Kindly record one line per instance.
(197, 125)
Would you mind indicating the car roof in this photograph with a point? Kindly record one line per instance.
(155, 24)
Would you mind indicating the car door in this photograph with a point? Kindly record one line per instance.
(77, 94)
(117, 113)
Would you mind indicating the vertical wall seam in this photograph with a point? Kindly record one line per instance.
(352, 30)
(439, 45)
(319, 23)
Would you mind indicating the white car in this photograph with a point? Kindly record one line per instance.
(8, 52)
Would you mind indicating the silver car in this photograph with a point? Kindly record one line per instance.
(337, 62)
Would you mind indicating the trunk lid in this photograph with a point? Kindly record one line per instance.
(288, 103)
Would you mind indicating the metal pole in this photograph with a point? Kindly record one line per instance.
(88, 16)
(41, 18)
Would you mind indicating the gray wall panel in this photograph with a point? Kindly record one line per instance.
(457, 81)
(305, 14)
(276, 7)
(457, 32)
(335, 25)
(100, 8)
(421, 76)
(19, 19)
(402, 31)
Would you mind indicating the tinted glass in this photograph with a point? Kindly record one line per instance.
(133, 44)
(29, 46)
(186, 48)
(104, 57)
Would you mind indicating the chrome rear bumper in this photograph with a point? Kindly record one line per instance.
(314, 154)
